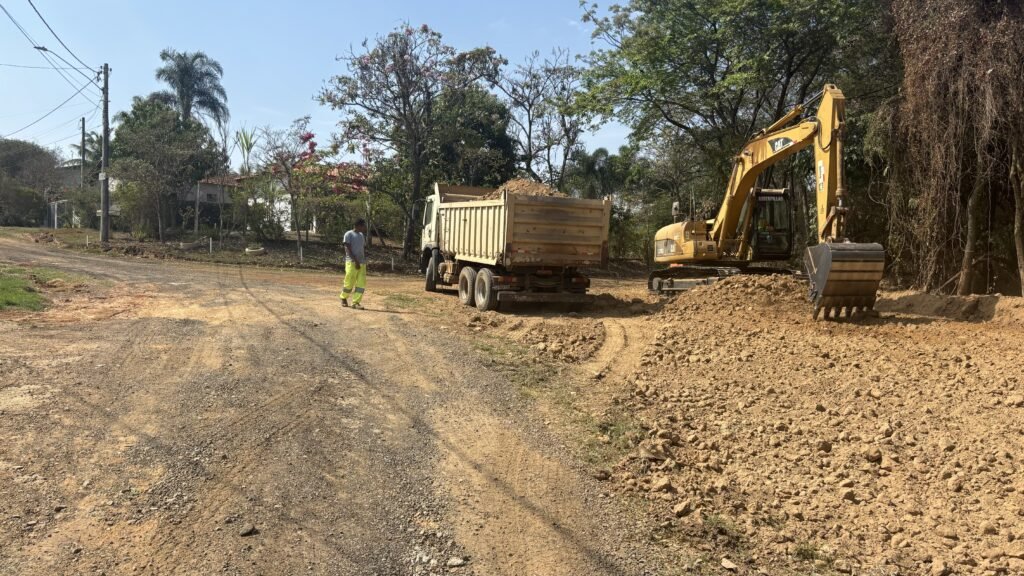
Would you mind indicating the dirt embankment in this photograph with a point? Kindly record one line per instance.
(886, 445)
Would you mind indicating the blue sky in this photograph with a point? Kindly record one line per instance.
(276, 55)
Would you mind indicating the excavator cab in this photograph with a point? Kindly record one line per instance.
(771, 237)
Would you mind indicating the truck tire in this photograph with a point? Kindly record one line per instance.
(467, 282)
(431, 274)
(486, 297)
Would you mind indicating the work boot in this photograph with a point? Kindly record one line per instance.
(344, 302)
(357, 306)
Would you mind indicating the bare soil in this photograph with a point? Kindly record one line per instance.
(195, 419)
(152, 419)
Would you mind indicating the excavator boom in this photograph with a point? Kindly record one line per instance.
(844, 276)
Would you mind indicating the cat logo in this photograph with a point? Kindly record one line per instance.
(777, 144)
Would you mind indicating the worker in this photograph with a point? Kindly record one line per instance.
(355, 265)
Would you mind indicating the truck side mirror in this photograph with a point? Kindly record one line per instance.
(675, 210)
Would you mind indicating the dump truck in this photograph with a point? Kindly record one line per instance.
(501, 247)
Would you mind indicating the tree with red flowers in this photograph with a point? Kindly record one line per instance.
(388, 100)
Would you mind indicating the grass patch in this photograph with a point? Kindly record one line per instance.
(399, 300)
(808, 552)
(616, 434)
(721, 526)
(17, 290)
(23, 287)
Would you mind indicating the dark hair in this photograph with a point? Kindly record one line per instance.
(361, 222)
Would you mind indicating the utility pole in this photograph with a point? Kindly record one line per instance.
(104, 178)
(81, 186)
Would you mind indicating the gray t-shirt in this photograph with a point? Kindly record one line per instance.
(357, 243)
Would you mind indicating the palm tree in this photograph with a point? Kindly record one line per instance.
(93, 154)
(195, 88)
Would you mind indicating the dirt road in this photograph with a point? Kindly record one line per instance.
(186, 419)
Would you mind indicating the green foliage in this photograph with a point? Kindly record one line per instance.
(694, 79)
(168, 154)
(472, 145)
(16, 290)
(389, 99)
(195, 85)
(260, 199)
(27, 173)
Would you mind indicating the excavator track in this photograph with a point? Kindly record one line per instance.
(844, 277)
(682, 278)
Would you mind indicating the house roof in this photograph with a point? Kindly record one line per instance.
(223, 180)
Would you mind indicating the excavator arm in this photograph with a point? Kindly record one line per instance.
(823, 132)
(843, 276)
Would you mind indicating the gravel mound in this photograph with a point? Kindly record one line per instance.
(523, 187)
(887, 445)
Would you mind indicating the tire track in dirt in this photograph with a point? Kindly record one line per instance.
(515, 506)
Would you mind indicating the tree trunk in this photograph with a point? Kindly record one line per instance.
(369, 222)
(220, 220)
(1017, 183)
(195, 232)
(410, 228)
(159, 220)
(966, 283)
(295, 225)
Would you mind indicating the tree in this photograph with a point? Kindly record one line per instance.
(389, 99)
(181, 151)
(712, 73)
(546, 126)
(195, 86)
(952, 142)
(472, 145)
(93, 154)
(139, 194)
(638, 199)
(28, 172)
(283, 154)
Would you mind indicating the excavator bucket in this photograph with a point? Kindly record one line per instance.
(844, 277)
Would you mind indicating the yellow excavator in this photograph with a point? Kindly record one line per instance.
(754, 226)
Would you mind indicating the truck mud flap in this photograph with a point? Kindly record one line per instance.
(557, 297)
(844, 277)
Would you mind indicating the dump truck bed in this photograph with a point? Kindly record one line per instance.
(519, 231)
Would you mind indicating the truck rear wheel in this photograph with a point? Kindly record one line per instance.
(486, 298)
(467, 282)
(431, 282)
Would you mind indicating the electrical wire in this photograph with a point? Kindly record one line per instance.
(70, 66)
(58, 37)
(44, 116)
(34, 44)
(76, 118)
(42, 67)
(77, 104)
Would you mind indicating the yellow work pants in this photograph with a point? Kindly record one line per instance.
(355, 281)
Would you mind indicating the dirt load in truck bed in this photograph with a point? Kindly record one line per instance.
(524, 187)
(889, 445)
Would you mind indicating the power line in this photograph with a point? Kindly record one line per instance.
(64, 60)
(34, 44)
(78, 104)
(42, 67)
(57, 37)
(59, 106)
(75, 134)
(54, 128)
